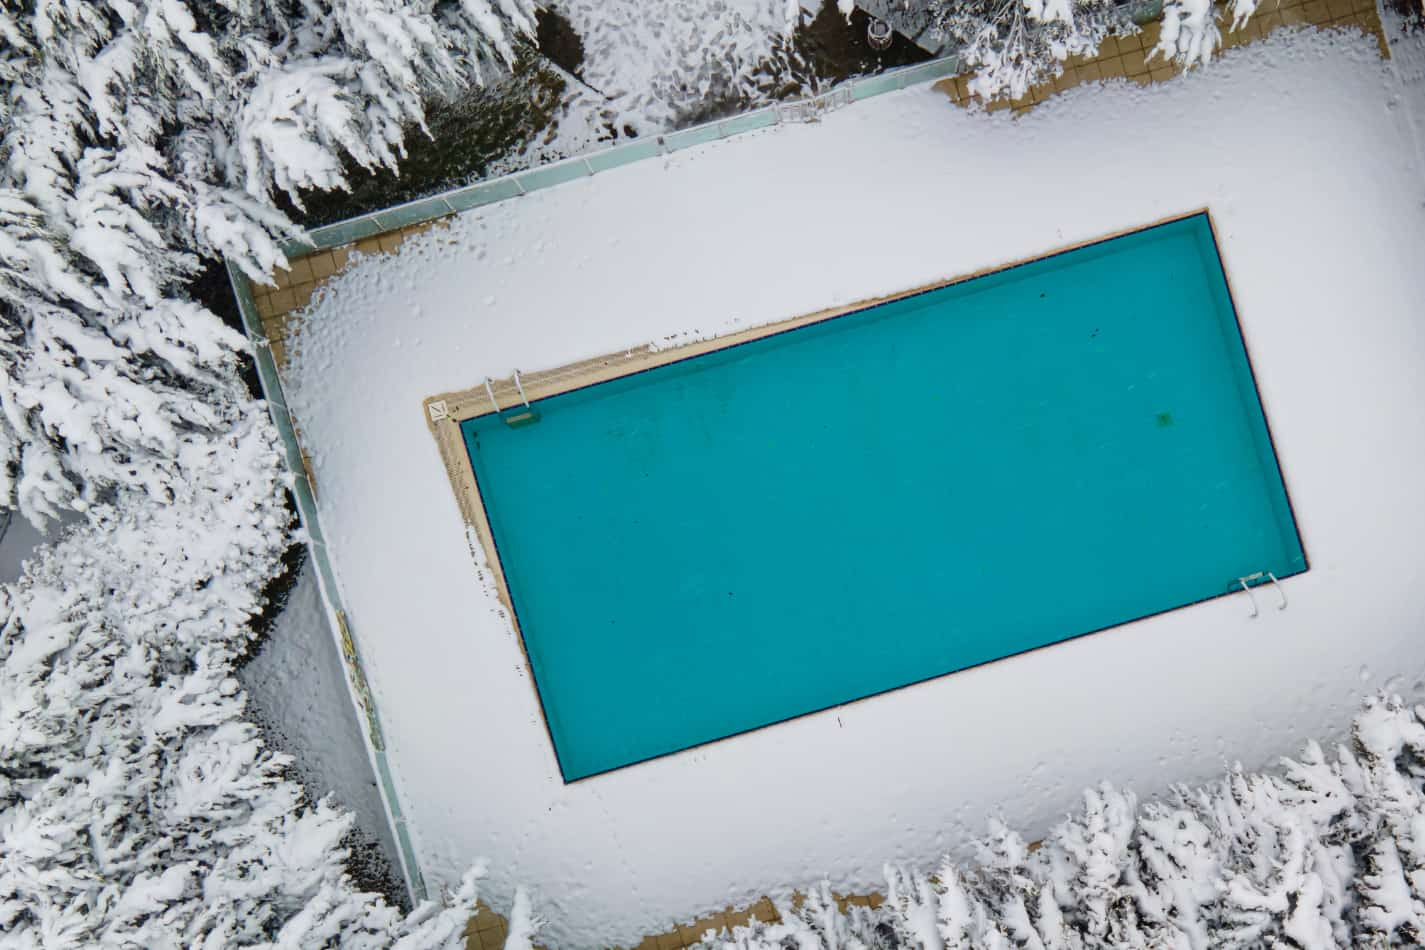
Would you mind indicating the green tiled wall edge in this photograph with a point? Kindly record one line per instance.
(339, 620)
(582, 166)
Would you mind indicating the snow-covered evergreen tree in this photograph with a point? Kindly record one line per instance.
(1015, 44)
(814, 922)
(137, 807)
(1190, 34)
(1327, 853)
(142, 135)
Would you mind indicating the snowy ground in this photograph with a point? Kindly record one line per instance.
(297, 693)
(1300, 147)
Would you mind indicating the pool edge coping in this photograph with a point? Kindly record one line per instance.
(446, 412)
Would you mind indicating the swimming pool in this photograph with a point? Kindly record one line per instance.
(868, 501)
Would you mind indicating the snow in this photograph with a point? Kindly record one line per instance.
(524, 925)
(1299, 146)
(651, 68)
(297, 692)
(696, 60)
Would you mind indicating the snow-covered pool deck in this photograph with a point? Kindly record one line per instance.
(1298, 146)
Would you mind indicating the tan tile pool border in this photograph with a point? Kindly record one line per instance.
(445, 412)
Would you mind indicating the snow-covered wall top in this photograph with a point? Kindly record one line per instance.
(516, 184)
(1300, 147)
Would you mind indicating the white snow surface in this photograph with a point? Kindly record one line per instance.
(1303, 148)
(296, 690)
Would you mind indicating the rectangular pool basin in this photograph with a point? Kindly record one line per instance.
(885, 496)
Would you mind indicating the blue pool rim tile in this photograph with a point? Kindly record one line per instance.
(861, 309)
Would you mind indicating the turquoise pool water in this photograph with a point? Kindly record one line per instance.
(861, 504)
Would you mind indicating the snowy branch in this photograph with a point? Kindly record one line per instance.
(1329, 853)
